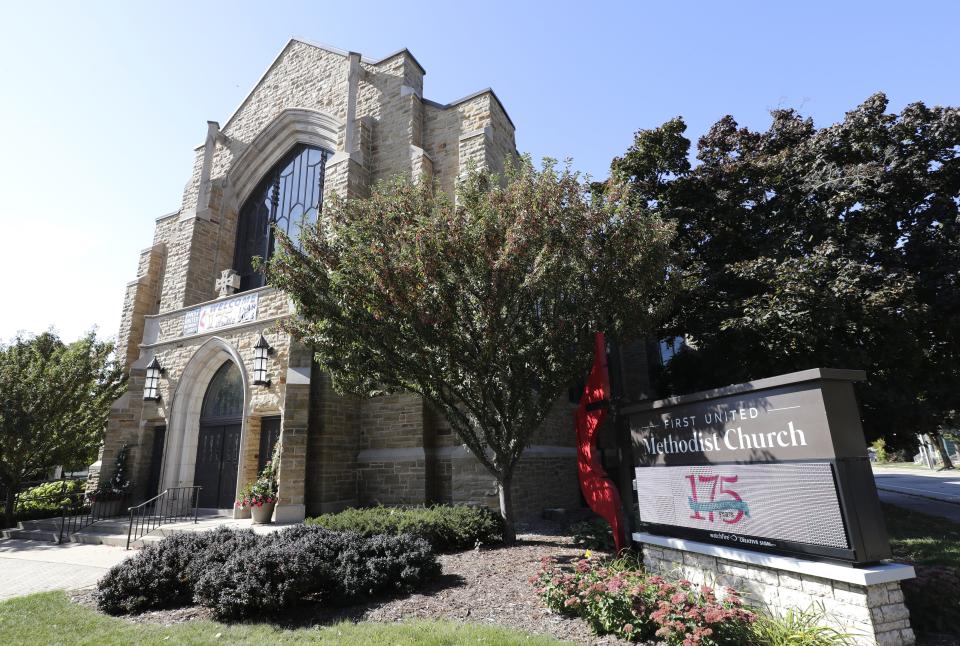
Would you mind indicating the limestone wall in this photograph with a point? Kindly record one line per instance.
(872, 614)
(337, 451)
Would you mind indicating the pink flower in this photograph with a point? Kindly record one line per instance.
(628, 628)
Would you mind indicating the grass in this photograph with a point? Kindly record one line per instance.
(50, 618)
(919, 538)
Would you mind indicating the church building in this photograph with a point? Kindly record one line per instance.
(213, 383)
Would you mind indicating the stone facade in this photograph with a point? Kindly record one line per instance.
(870, 614)
(373, 121)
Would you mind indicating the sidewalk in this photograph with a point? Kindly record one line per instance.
(37, 566)
(931, 492)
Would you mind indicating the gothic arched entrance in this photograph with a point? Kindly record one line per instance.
(218, 441)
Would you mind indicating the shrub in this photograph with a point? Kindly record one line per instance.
(446, 527)
(45, 500)
(593, 534)
(382, 564)
(619, 598)
(160, 575)
(796, 628)
(880, 448)
(239, 574)
(300, 562)
(268, 575)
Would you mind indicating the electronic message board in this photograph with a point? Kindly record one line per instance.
(776, 465)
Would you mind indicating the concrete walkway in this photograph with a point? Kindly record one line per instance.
(936, 493)
(37, 566)
(28, 566)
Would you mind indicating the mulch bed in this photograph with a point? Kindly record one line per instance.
(485, 586)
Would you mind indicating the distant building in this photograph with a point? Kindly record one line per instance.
(320, 121)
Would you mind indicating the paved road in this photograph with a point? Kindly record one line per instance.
(931, 492)
(37, 566)
(942, 485)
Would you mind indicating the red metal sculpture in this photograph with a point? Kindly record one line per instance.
(597, 487)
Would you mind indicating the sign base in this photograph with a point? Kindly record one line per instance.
(865, 602)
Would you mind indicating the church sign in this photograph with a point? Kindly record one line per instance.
(220, 314)
(776, 465)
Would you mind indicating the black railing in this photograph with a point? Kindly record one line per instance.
(72, 511)
(172, 505)
(28, 505)
(81, 512)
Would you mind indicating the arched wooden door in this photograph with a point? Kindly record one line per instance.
(218, 443)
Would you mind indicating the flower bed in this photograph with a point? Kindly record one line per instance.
(619, 598)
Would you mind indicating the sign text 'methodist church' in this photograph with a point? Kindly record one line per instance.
(319, 122)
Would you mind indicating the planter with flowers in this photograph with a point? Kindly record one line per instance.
(109, 498)
(260, 497)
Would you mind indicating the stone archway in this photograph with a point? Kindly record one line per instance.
(183, 427)
(291, 127)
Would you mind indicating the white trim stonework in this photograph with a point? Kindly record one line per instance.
(291, 127)
(183, 428)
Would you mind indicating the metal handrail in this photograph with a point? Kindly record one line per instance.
(77, 509)
(78, 515)
(24, 487)
(166, 507)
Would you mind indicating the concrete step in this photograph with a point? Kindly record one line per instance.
(50, 524)
(99, 538)
(32, 534)
(113, 531)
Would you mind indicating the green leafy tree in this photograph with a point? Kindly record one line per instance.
(54, 401)
(485, 306)
(803, 247)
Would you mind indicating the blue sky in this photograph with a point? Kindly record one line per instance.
(102, 103)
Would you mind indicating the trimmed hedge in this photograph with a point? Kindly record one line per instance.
(448, 528)
(240, 574)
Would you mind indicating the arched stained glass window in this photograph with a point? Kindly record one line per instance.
(290, 195)
(224, 397)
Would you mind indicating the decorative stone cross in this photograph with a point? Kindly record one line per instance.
(228, 283)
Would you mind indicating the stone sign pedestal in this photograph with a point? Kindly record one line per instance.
(865, 602)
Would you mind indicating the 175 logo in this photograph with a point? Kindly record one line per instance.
(723, 503)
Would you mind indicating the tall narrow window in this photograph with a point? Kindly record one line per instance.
(290, 196)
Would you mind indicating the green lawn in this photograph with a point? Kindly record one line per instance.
(50, 618)
(923, 539)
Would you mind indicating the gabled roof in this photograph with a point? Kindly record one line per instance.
(489, 90)
(369, 61)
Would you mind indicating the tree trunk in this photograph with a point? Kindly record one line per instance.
(9, 515)
(506, 508)
(942, 449)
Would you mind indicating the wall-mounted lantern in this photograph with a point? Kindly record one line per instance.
(260, 353)
(151, 387)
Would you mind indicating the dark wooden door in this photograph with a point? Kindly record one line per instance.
(229, 464)
(218, 457)
(269, 433)
(156, 461)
